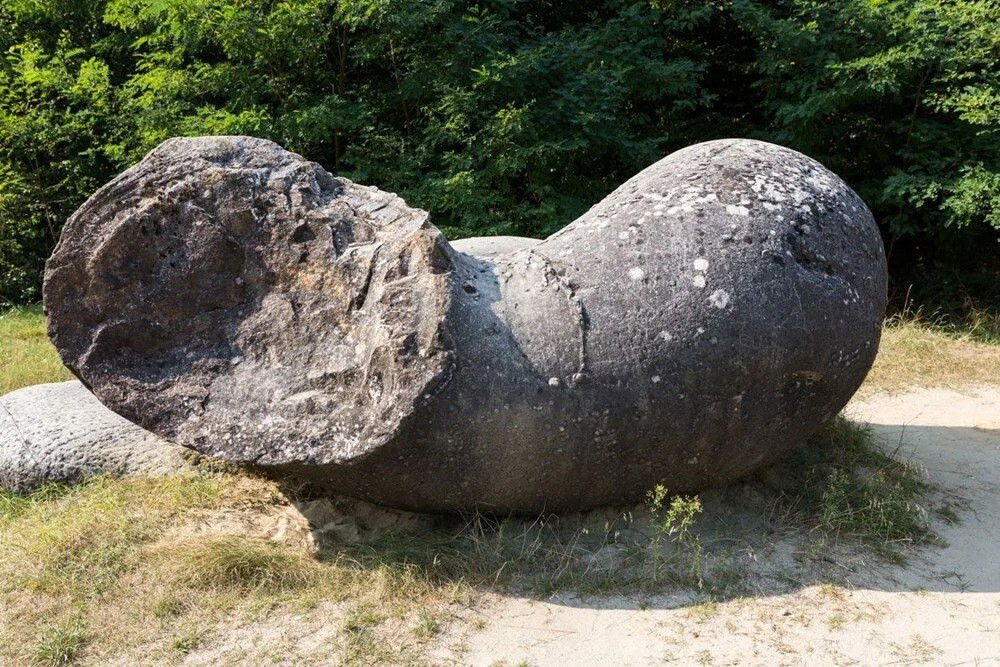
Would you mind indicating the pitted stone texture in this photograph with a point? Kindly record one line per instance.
(699, 322)
(235, 298)
(61, 433)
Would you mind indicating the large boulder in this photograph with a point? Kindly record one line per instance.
(699, 322)
(61, 433)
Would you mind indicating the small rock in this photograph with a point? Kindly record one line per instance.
(61, 433)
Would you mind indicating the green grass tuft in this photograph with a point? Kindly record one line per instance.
(80, 540)
(59, 644)
(237, 562)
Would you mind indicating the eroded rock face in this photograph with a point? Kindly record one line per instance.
(699, 322)
(61, 433)
(223, 292)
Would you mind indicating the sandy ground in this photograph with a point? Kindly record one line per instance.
(942, 608)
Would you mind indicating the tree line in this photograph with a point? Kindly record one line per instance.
(515, 116)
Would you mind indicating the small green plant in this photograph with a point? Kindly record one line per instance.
(427, 626)
(60, 644)
(362, 643)
(673, 521)
(167, 606)
(188, 642)
(702, 611)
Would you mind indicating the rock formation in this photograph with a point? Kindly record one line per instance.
(697, 323)
(61, 433)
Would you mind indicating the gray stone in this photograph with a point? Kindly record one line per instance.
(491, 246)
(696, 324)
(61, 433)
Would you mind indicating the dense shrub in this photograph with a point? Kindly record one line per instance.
(509, 116)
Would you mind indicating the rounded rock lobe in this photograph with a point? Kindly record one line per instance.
(60, 433)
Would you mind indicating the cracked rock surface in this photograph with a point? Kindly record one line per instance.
(61, 433)
(697, 323)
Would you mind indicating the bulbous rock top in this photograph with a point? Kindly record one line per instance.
(700, 321)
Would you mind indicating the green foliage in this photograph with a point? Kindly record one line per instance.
(505, 116)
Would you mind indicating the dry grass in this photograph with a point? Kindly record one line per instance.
(922, 353)
(133, 568)
(26, 355)
(235, 562)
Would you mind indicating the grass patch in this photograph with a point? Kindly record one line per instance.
(59, 644)
(841, 485)
(426, 626)
(236, 562)
(924, 352)
(78, 541)
(26, 355)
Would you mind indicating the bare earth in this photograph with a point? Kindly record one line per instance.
(942, 608)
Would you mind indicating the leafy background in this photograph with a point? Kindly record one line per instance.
(515, 116)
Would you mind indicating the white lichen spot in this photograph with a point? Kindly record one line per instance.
(635, 273)
(732, 209)
(699, 281)
(553, 382)
(700, 264)
(655, 379)
(719, 298)
(665, 335)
